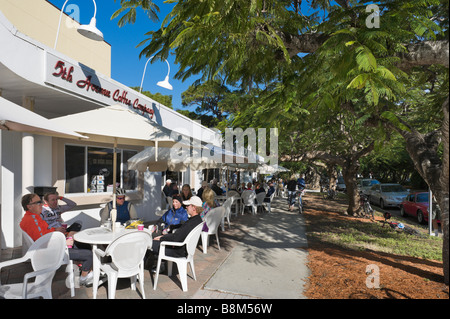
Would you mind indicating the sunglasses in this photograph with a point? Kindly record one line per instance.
(120, 198)
(39, 202)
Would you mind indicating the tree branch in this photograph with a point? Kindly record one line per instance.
(423, 53)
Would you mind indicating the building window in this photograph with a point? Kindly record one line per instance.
(90, 169)
(75, 169)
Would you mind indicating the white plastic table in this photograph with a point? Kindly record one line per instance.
(101, 236)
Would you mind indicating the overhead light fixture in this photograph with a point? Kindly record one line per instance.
(164, 84)
(88, 30)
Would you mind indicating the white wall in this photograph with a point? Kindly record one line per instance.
(11, 188)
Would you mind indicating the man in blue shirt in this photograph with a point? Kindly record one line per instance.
(125, 209)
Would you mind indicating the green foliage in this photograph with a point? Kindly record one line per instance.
(337, 98)
(166, 100)
(128, 9)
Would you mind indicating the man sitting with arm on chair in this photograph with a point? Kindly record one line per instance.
(33, 224)
(194, 208)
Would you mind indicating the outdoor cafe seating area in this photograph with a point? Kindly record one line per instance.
(119, 252)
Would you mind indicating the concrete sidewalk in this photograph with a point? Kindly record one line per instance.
(261, 256)
(269, 262)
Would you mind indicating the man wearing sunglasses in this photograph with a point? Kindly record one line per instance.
(32, 222)
(125, 209)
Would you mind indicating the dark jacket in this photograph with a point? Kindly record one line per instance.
(178, 236)
(292, 185)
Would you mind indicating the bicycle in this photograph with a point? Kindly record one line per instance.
(367, 208)
(400, 227)
(331, 194)
(295, 197)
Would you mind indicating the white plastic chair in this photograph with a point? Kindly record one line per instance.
(127, 254)
(28, 241)
(191, 242)
(46, 255)
(270, 201)
(227, 205)
(248, 199)
(212, 220)
(237, 200)
(260, 200)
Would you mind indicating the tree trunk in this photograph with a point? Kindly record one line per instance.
(423, 150)
(332, 175)
(349, 172)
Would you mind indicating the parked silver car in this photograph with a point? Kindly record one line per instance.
(365, 184)
(340, 184)
(387, 195)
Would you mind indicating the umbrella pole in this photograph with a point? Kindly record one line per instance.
(114, 210)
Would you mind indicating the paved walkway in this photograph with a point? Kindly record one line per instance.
(261, 256)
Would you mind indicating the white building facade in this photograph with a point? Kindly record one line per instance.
(53, 83)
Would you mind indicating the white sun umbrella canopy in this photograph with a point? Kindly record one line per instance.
(117, 124)
(178, 158)
(271, 169)
(157, 160)
(16, 118)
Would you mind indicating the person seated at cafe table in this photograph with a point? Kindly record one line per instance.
(209, 202)
(51, 212)
(166, 189)
(125, 209)
(194, 208)
(173, 218)
(202, 188)
(270, 191)
(216, 188)
(258, 188)
(186, 192)
(33, 224)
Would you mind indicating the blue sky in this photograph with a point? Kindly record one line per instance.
(126, 67)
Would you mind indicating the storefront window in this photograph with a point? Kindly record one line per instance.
(75, 169)
(97, 175)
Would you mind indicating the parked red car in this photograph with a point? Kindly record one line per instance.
(416, 204)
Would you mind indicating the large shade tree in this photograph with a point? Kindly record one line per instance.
(354, 55)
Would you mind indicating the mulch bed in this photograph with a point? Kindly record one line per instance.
(339, 273)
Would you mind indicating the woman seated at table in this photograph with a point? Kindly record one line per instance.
(186, 192)
(259, 189)
(173, 218)
(209, 202)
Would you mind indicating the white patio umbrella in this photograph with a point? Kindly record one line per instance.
(173, 159)
(271, 169)
(16, 118)
(117, 124)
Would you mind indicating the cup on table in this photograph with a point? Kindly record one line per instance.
(118, 225)
(141, 227)
(69, 246)
(64, 225)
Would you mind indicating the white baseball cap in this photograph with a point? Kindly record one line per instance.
(169, 181)
(194, 200)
